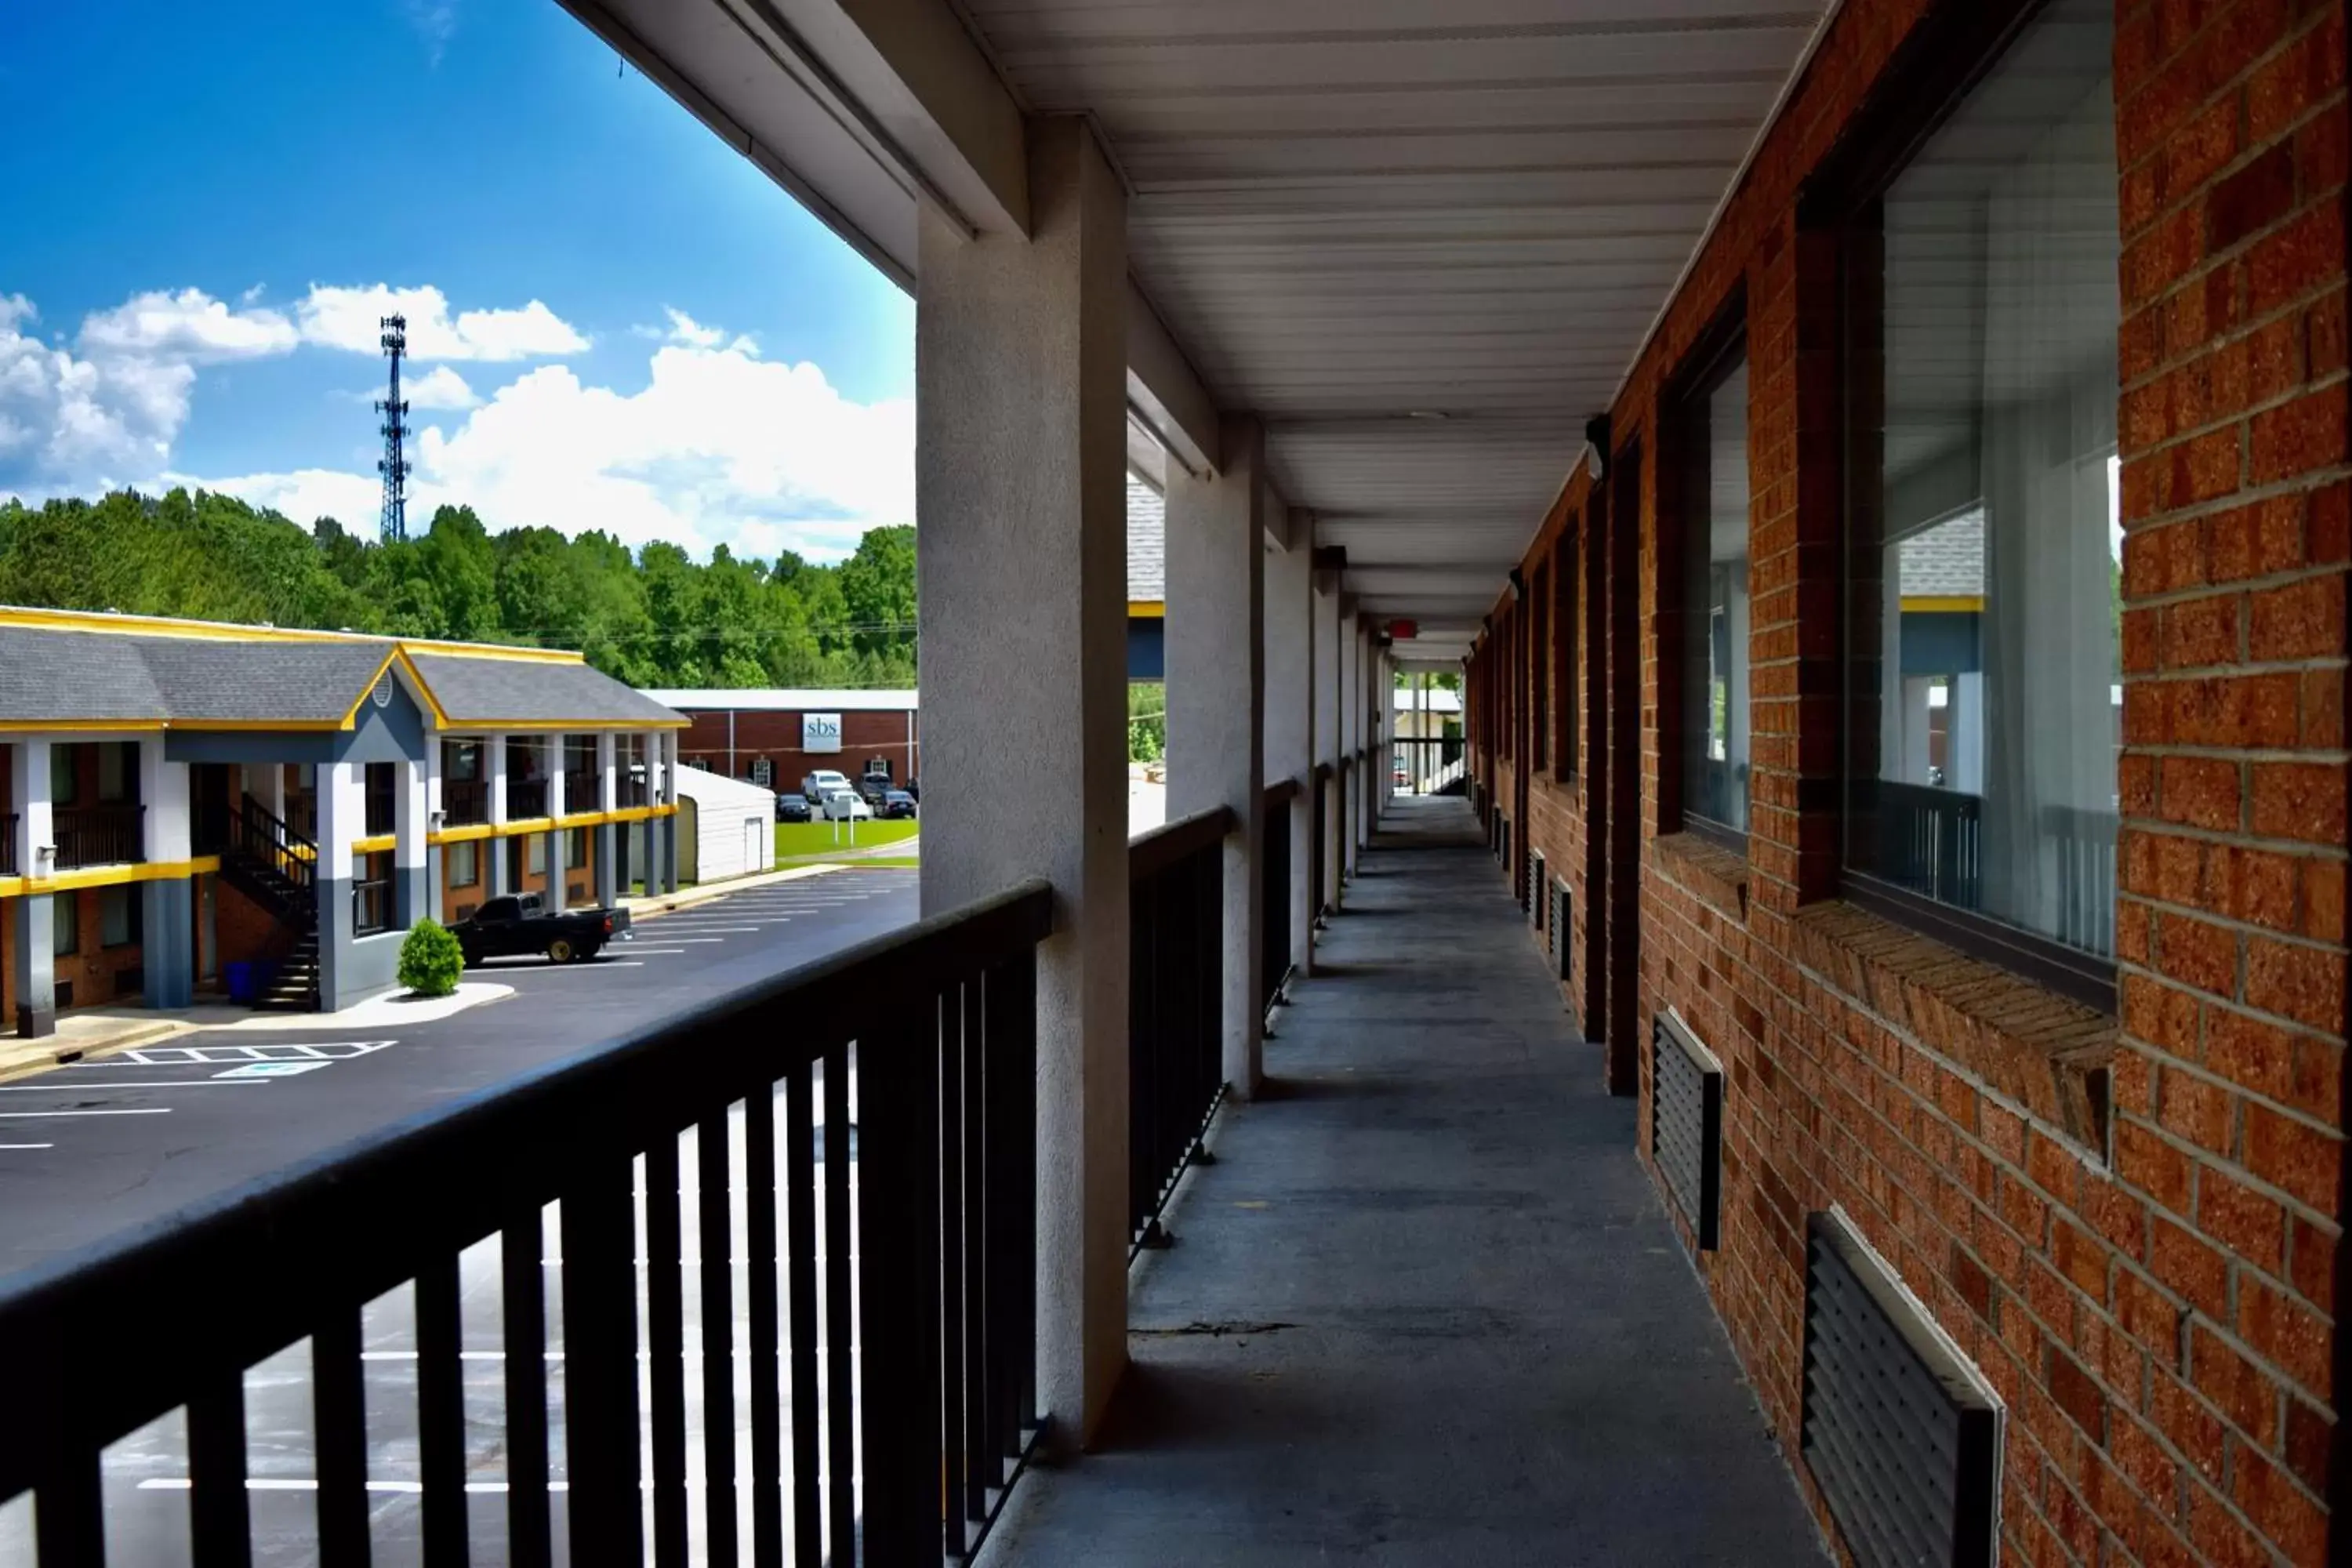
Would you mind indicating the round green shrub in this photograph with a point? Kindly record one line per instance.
(430, 959)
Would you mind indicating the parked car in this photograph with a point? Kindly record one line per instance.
(817, 785)
(511, 925)
(846, 805)
(793, 807)
(915, 789)
(896, 804)
(872, 787)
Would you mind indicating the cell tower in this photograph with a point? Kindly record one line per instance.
(394, 468)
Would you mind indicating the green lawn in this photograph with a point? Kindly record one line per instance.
(800, 840)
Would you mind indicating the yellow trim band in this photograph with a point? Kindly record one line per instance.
(1943, 604)
(1147, 609)
(108, 877)
(376, 845)
(466, 832)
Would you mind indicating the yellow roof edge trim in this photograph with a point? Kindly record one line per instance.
(500, 726)
(1147, 609)
(106, 621)
(1943, 604)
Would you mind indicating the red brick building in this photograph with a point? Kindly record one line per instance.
(775, 737)
(2022, 941)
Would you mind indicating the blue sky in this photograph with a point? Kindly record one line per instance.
(188, 262)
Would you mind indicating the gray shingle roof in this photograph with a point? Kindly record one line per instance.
(1947, 560)
(476, 692)
(1147, 542)
(50, 674)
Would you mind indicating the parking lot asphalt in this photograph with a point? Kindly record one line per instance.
(95, 1147)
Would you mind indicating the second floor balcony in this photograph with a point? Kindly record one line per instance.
(465, 802)
(97, 835)
(526, 799)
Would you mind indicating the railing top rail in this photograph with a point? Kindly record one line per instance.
(1281, 792)
(249, 1270)
(1149, 853)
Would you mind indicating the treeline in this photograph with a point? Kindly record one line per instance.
(655, 617)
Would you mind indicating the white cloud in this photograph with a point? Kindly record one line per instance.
(190, 326)
(440, 387)
(352, 318)
(683, 329)
(101, 417)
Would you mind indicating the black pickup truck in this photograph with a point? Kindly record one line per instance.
(505, 927)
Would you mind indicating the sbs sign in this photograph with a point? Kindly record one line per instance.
(820, 731)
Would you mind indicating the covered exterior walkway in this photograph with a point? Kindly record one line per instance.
(1425, 1307)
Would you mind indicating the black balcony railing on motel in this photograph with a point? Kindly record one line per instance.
(912, 1450)
(8, 844)
(97, 835)
(1175, 1070)
(465, 802)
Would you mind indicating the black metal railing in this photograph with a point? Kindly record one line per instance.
(1175, 1033)
(465, 802)
(629, 790)
(1931, 842)
(887, 1456)
(526, 798)
(99, 834)
(582, 791)
(285, 852)
(2084, 844)
(8, 843)
(1274, 894)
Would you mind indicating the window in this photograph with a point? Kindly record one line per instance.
(1563, 659)
(65, 771)
(575, 849)
(464, 864)
(118, 916)
(1713, 500)
(535, 855)
(461, 759)
(65, 924)
(1983, 680)
(117, 769)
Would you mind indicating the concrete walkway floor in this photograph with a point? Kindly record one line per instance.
(1426, 1307)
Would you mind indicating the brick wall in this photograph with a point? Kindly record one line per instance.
(2148, 1280)
(777, 737)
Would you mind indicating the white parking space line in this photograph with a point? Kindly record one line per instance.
(654, 952)
(52, 1087)
(202, 1056)
(27, 1145)
(140, 1111)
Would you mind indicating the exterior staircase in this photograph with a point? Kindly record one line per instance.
(275, 866)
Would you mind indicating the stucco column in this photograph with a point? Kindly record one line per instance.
(1290, 713)
(1324, 674)
(36, 980)
(1021, 482)
(1351, 731)
(608, 891)
(494, 770)
(667, 741)
(411, 813)
(167, 932)
(341, 795)
(1216, 704)
(552, 766)
(649, 834)
(436, 815)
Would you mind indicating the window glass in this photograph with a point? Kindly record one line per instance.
(461, 759)
(64, 774)
(65, 923)
(118, 916)
(115, 769)
(1715, 598)
(535, 856)
(1984, 684)
(464, 864)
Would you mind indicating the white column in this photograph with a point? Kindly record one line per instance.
(553, 768)
(494, 848)
(272, 793)
(608, 796)
(1290, 713)
(1216, 703)
(36, 956)
(1325, 675)
(667, 740)
(167, 930)
(1352, 729)
(414, 787)
(1021, 480)
(436, 815)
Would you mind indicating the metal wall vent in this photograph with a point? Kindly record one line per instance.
(1535, 893)
(1563, 928)
(1902, 1431)
(1686, 1123)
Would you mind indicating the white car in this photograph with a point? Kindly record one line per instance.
(845, 805)
(823, 783)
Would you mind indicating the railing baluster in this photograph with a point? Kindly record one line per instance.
(219, 1520)
(760, 1237)
(600, 1361)
(524, 1329)
(69, 1509)
(665, 1349)
(338, 1412)
(948, 1207)
(441, 1413)
(800, 1219)
(978, 1393)
(713, 1179)
(840, 1375)
(898, 1296)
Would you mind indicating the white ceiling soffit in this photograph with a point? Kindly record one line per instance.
(1424, 239)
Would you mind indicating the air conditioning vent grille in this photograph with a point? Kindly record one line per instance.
(1900, 1431)
(1686, 1123)
(1562, 929)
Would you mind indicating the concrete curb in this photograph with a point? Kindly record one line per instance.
(28, 1058)
(644, 908)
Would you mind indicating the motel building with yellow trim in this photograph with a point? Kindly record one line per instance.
(185, 804)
